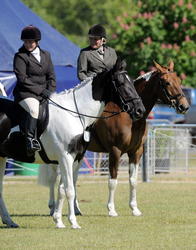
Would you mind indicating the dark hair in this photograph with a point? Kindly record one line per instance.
(31, 32)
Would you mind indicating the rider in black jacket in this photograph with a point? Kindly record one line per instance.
(35, 80)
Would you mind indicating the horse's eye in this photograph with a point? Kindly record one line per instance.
(165, 83)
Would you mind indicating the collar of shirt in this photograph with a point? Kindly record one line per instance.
(100, 50)
(36, 54)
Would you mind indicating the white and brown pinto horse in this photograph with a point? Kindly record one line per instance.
(70, 113)
(119, 135)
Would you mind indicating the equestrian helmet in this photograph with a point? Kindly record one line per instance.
(31, 32)
(97, 30)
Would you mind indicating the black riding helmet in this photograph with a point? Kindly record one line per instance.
(31, 32)
(97, 30)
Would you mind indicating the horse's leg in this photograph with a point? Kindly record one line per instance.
(47, 177)
(133, 174)
(3, 210)
(114, 157)
(57, 215)
(75, 178)
(52, 180)
(66, 168)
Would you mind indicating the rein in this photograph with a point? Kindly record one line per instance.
(80, 114)
(125, 106)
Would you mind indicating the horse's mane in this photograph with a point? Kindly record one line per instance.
(82, 84)
(78, 86)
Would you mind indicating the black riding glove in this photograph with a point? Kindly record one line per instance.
(46, 93)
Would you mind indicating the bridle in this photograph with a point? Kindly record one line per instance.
(113, 113)
(172, 100)
(125, 106)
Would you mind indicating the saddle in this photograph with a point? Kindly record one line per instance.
(14, 145)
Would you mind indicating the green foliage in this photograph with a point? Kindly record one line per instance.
(159, 31)
(140, 30)
(73, 18)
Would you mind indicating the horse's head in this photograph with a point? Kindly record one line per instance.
(170, 88)
(129, 98)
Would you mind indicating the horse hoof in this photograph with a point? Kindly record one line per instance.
(11, 225)
(52, 208)
(78, 213)
(76, 226)
(136, 212)
(14, 225)
(52, 211)
(113, 214)
(60, 225)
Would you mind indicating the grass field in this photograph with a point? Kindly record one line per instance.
(168, 221)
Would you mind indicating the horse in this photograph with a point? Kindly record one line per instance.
(71, 112)
(120, 134)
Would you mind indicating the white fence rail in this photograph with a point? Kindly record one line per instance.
(169, 149)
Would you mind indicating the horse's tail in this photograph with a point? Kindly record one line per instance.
(47, 175)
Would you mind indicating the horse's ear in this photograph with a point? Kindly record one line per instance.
(120, 64)
(158, 67)
(171, 65)
(123, 64)
(117, 65)
(118, 61)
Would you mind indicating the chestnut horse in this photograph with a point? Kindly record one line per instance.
(119, 135)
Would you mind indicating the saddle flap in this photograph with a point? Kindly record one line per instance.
(43, 118)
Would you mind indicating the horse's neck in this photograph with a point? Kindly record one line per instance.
(84, 103)
(148, 90)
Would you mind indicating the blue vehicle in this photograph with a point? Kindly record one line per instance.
(162, 113)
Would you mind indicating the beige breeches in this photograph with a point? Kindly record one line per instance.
(31, 105)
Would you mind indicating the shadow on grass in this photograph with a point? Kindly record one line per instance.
(30, 215)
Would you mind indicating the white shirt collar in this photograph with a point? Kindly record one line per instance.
(36, 54)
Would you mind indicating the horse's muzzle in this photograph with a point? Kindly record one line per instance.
(138, 114)
(182, 109)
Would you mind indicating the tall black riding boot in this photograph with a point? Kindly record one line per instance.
(28, 127)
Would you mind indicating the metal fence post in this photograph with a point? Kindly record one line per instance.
(145, 176)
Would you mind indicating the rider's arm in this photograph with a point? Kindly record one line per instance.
(20, 69)
(51, 81)
(82, 66)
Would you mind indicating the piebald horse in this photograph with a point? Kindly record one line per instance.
(70, 114)
(119, 135)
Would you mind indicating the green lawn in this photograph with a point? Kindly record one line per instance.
(168, 221)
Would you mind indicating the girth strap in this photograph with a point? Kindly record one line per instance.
(44, 156)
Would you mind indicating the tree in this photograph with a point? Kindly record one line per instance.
(140, 30)
(160, 30)
(73, 18)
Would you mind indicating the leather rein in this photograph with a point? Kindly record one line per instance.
(113, 113)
